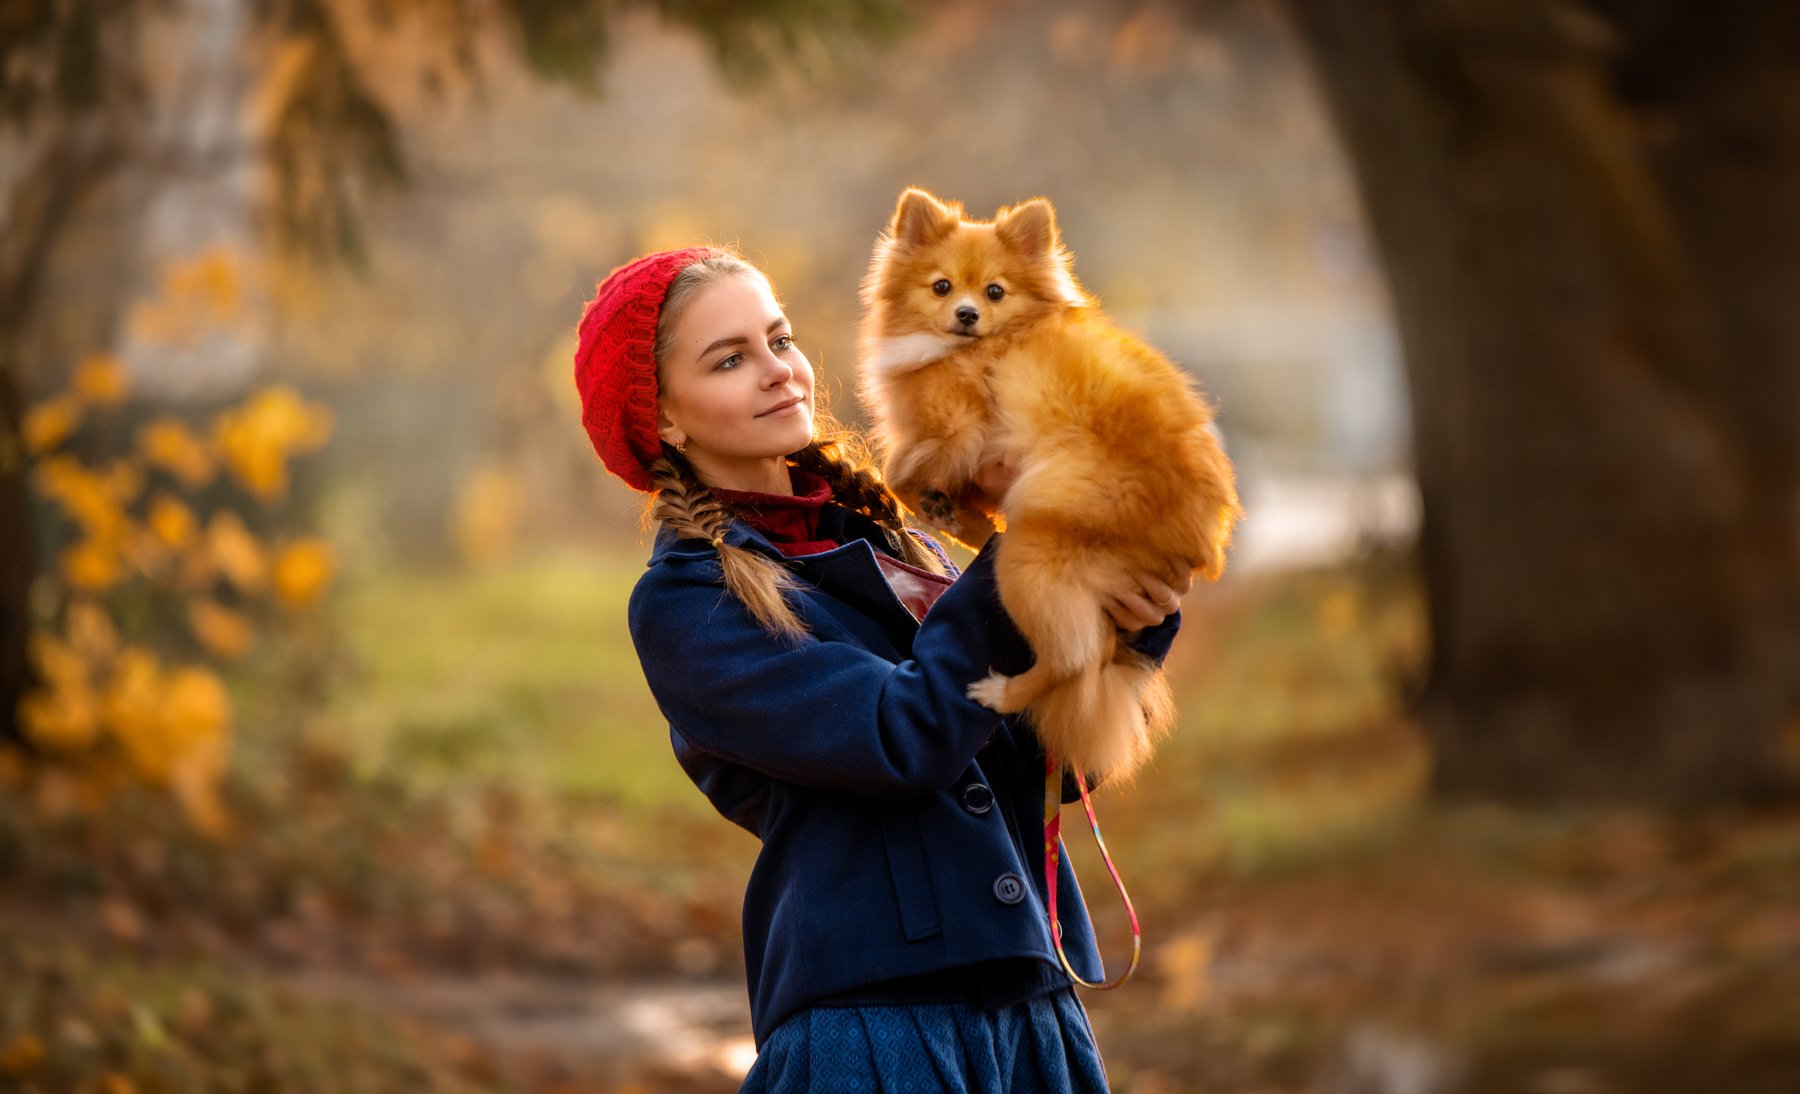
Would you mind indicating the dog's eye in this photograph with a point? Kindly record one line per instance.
(941, 286)
(995, 292)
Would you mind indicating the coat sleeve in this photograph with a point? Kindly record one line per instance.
(1154, 642)
(828, 714)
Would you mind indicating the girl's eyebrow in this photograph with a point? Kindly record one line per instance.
(740, 340)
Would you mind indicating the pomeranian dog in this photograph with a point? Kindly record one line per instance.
(976, 341)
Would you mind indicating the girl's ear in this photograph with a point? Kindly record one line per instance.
(668, 430)
(1028, 228)
(920, 218)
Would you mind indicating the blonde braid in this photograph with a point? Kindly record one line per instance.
(838, 456)
(685, 504)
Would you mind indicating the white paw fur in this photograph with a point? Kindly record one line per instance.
(990, 690)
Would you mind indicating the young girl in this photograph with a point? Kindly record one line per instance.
(811, 655)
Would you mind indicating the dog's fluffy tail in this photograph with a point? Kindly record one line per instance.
(1105, 720)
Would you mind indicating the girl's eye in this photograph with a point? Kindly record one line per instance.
(784, 343)
(995, 292)
(729, 362)
(941, 286)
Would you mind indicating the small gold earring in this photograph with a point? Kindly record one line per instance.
(681, 447)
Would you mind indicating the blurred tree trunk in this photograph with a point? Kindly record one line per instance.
(68, 164)
(17, 561)
(1590, 224)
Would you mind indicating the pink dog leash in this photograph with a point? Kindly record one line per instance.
(1052, 855)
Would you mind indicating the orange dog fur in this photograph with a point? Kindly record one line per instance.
(977, 340)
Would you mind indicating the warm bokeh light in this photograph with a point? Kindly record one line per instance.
(100, 380)
(169, 444)
(302, 571)
(257, 439)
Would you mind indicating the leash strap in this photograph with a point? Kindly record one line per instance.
(1052, 856)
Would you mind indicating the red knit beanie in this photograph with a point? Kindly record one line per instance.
(615, 361)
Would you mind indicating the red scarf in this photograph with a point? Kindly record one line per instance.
(791, 521)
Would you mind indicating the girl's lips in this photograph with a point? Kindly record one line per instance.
(787, 408)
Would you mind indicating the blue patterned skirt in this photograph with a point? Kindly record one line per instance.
(1042, 1045)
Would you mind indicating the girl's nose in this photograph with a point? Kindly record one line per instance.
(779, 372)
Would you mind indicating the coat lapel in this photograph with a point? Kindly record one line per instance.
(851, 574)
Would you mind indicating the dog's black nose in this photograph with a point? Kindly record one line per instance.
(967, 316)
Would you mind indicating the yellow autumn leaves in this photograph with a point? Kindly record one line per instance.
(254, 442)
(198, 295)
(257, 439)
(103, 698)
(169, 444)
(169, 724)
(302, 571)
(98, 381)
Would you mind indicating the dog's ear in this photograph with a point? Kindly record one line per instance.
(1029, 228)
(920, 218)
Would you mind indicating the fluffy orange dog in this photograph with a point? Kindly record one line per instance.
(976, 340)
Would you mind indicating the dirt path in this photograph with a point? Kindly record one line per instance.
(567, 1035)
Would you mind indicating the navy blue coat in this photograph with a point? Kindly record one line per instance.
(856, 758)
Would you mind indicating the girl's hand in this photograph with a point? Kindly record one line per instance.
(1146, 599)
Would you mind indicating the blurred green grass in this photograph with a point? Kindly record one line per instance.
(523, 673)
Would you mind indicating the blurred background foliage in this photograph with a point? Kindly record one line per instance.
(325, 762)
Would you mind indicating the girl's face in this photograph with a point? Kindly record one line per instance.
(734, 386)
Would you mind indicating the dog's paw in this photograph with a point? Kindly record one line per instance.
(937, 507)
(990, 690)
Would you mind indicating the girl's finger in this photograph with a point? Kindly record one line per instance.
(1158, 592)
(1123, 620)
(1161, 597)
(1135, 612)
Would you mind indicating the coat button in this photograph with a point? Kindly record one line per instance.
(1009, 888)
(978, 797)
